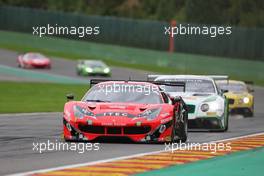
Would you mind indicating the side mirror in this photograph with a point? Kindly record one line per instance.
(250, 90)
(70, 97)
(175, 100)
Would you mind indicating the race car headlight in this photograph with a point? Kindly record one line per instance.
(246, 100)
(89, 70)
(204, 107)
(106, 70)
(212, 107)
(150, 114)
(80, 112)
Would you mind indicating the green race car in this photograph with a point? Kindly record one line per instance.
(92, 67)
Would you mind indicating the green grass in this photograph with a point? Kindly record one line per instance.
(247, 162)
(36, 97)
(144, 59)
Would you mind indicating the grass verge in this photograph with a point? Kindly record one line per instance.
(19, 97)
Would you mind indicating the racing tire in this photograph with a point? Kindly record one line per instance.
(180, 129)
(226, 125)
(68, 140)
(249, 113)
(227, 120)
(20, 65)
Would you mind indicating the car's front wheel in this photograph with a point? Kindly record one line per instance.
(226, 123)
(180, 128)
(78, 72)
(227, 119)
(249, 112)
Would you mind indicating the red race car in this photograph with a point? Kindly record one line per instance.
(33, 60)
(135, 110)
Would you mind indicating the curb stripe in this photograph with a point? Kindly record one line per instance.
(157, 160)
(131, 166)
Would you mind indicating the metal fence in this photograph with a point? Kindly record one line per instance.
(243, 43)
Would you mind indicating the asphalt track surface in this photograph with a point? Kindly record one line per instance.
(64, 68)
(18, 132)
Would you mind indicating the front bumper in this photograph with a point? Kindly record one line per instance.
(97, 74)
(239, 104)
(206, 123)
(212, 121)
(147, 132)
(241, 110)
(39, 65)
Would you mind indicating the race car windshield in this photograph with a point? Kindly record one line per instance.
(233, 87)
(35, 56)
(94, 64)
(192, 85)
(125, 93)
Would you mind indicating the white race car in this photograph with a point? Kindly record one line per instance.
(207, 106)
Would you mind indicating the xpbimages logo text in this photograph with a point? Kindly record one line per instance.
(187, 29)
(130, 88)
(146, 89)
(51, 146)
(79, 31)
(210, 147)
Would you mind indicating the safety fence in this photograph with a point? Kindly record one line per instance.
(247, 43)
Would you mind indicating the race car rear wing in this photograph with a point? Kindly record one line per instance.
(215, 77)
(218, 77)
(167, 83)
(249, 82)
(152, 77)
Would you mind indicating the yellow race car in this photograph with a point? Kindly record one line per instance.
(239, 94)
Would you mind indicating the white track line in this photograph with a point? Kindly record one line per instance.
(115, 159)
